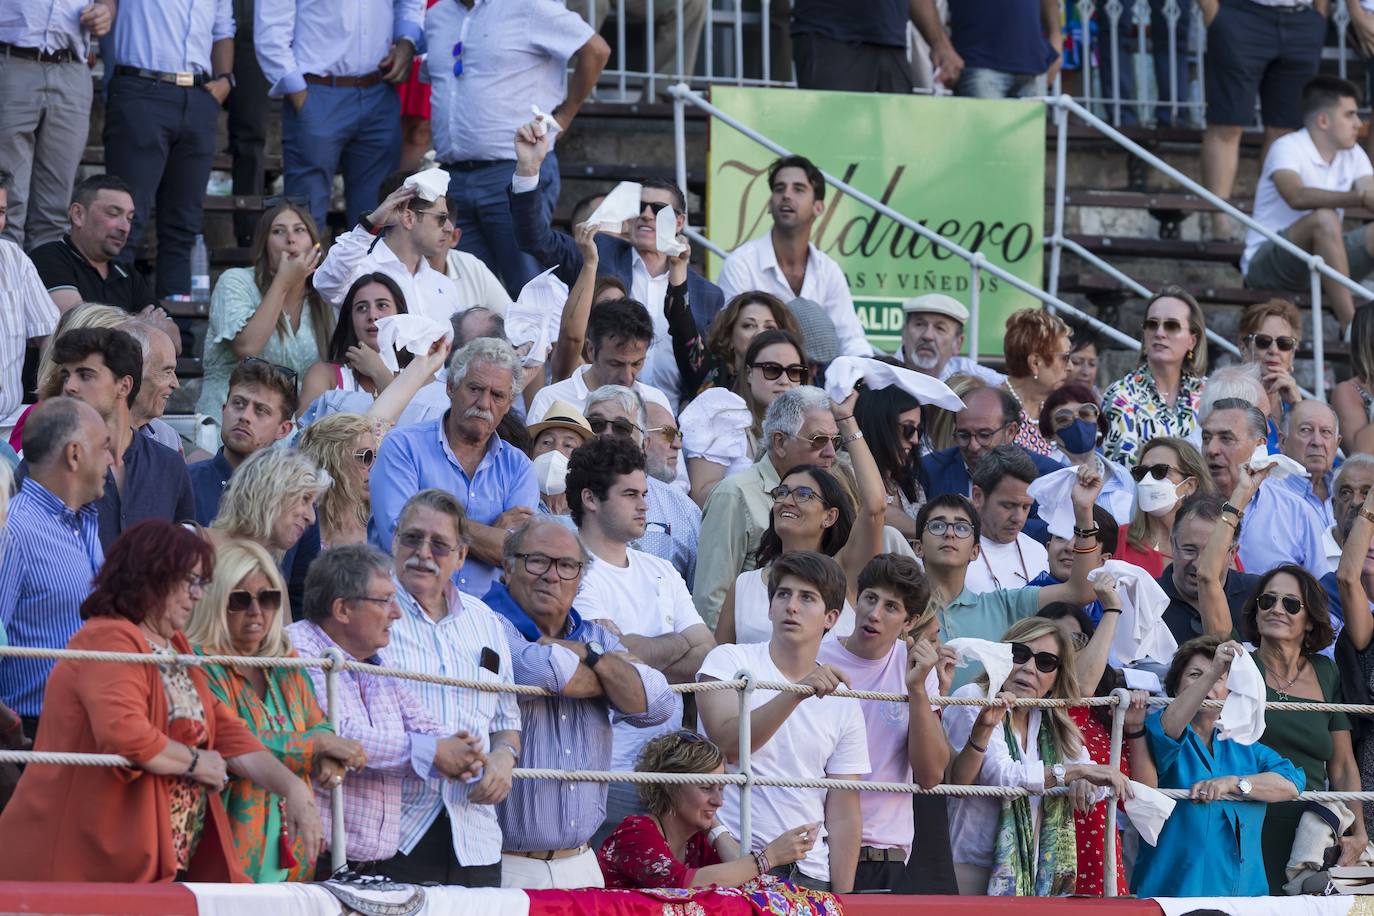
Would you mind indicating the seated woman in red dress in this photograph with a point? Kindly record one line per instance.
(680, 843)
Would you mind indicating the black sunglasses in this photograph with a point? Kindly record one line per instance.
(1157, 471)
(1264, 342)
(655, 206)
(284, 370)
(1269, 599)
(795, 372)
(909, 431)
(1045, 662)
(620, 426)
(268, 601)
(1170, 325)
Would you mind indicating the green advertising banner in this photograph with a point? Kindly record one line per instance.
(972, 170)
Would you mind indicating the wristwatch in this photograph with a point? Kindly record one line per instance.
(1244, 787)
(226, 75)
(1058, 770)
(594, 652)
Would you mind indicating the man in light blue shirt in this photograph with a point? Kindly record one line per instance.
(1310, 435)
(45, 108)
(337, 66)
(461, 453)
(169, 68)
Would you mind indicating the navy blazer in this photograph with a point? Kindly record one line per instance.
(551, 248)
(945, 472)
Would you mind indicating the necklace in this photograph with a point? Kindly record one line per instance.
(1293, 680)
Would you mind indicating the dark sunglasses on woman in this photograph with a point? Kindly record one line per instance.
(1045, 662)
(795, 373)
(268, 600)
(1269, 599)
(1157, 471)
(1264, 342)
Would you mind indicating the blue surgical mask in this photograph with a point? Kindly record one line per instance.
(1079, 437)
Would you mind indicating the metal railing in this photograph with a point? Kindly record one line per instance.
(334, 663)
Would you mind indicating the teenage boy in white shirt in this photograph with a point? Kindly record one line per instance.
(795, 735)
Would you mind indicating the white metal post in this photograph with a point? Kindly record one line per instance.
(649, 49)
(620, 43)
(766, 30)
(975, 278)
(680, 140)
(1061, 155)
(1318, 344)
(338, 852)
(681, 66)
(1123, 699)
(746, 767)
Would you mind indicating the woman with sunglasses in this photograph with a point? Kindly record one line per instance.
(269, 310)
(1353, 399)
(1071, 421)
(681, 842)
(1269, 336)
(890, 420)
(1224, 779)
(1286, 616)
(1169, 471)
(1023, 846)
(1160, 397)
(344, 445)
(1037, 351)
(723, 429)
(719, 359)
(241, 613)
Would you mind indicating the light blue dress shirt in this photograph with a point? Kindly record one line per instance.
(48, 25)
(1301, 487)
(329, 38)
(1281, 527)
(174, 36)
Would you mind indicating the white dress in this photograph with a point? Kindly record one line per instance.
(751, 610)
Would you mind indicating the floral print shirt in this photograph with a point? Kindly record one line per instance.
(1136, 413)
(636, 855)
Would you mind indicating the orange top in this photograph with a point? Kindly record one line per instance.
(84, 823)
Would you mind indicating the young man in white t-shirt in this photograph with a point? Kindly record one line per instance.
(1309, 178)
(637, 596)
(905, 740)
(795, 735)
(1007, 556)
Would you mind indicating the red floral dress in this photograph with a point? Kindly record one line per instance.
(636, 855)
(1091, 828)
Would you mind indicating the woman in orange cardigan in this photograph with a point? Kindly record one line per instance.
(162, 818)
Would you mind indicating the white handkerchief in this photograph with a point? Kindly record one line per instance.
(431, 184)
(1141, 631)
(842, 374)
(416, 333)
(1242, 715)
(544, 123)
(551, 472)
(995, 657)
(1052, 494)
(1148, 811)
(1283, 465)
(535, 315)
(620, 205)
(665, 225)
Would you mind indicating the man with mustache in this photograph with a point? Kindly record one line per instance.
(933, 337)
(442, 631)
(461, 453)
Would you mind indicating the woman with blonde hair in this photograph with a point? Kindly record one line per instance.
(1168, 472)
(344, 445)
(241, 613)
(1023, 846)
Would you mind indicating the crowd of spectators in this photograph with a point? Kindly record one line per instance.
(660, 489)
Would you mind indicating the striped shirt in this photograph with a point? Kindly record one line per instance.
(452, 647)
(26, 310)
(50, 556)
(398, 735)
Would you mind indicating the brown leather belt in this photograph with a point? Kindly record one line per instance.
(874, 854)
(62, 56)
(345, 82)
(548, 855)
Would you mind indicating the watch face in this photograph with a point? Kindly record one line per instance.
(596, 647)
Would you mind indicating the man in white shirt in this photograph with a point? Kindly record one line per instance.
(1348, 491)
(795, 736)
(1309, 178)
(786, 264)
(1008, 557)
(477, 285)
(449, 830)
(933, 338)
(397, 238)
(30, 315)
(637, 596)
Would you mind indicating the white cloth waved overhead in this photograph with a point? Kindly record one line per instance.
(1242, 714)
(620, 205)
(1283, 465)
(534, 317)
(1141, 631)
(665, 227)
(995, 657)
(842, 374)
(1052, 494)
(416, 333)
(431, 184)
(1148, 811)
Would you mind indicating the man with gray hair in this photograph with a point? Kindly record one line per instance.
(461, 453)
(1310, 434)
(798, 428)
(159, 381)
(1280, 526)
(1349, 489)
(1008, 557)
(350, 605)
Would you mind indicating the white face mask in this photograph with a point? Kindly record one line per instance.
(1156, 497)
(551, 471)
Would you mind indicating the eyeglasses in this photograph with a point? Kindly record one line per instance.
(365, 457)
(689, 736)
(1088, 413)
(984, 436)
(458, 59)
(818, 442)
(537, 564)
(658, 528)
(442, 219)
(1157, 471)
(909, 431)
(938, 527)
(268, 601)
(620, 426)
(414, 540)
(284, 370)
(1080, 640)
(1170, 325)
(193, 581)
(1269, 599)
(670, 434)
(799, 494)
(389, 599)
(1264, 342)
(795, 373)
(1045, 662)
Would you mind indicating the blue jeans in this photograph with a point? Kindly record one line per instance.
(479, 192)
(985, 83)
(359, 129)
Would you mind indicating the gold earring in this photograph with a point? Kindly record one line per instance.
(1189, 357)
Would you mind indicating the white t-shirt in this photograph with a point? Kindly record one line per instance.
(822, 737)
(1006, 565)
(645, 598)
(1296, 152)
(751, 610)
